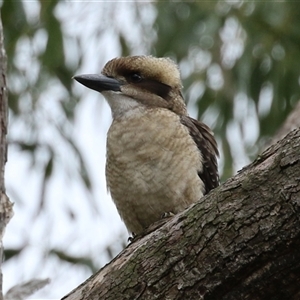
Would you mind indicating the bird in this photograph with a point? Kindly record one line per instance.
(159, 160)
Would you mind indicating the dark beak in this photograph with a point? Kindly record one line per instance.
(99, 83)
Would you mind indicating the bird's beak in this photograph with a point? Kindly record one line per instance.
(99, 83)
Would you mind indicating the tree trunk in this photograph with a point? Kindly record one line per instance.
(241, 241)
(6, 211)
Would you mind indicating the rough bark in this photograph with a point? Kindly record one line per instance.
(5, 205)
(241, 241)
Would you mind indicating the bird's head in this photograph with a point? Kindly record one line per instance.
(132, 81)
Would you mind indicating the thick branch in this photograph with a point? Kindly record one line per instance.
(241, 241)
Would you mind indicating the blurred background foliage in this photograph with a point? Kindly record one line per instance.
(239, 62)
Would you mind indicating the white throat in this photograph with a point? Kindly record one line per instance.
(120, 104)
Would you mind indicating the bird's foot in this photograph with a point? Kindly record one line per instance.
(167, 214)
(152, 227)
(132, 238)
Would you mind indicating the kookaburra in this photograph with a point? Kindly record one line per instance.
(159, 160)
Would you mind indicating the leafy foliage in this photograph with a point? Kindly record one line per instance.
(27, 88)
(235, 49)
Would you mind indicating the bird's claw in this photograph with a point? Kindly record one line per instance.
(168, 214)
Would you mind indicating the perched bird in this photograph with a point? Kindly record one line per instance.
(159, 160)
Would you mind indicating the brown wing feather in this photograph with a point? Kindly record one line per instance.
(207, 145)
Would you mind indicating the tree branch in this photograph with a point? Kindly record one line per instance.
(6, 211)
(241, 241)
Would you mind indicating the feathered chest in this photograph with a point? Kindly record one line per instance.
(149, 138)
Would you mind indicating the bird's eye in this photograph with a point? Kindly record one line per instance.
(135, 77)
